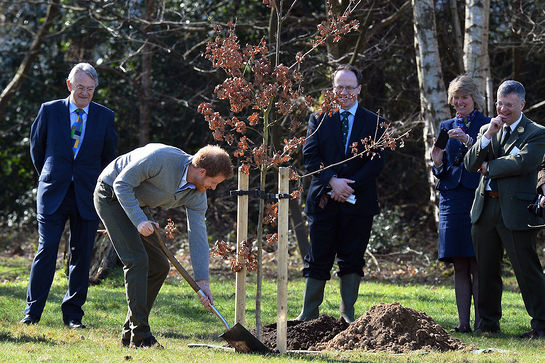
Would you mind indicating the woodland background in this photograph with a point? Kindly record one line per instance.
(149, 56)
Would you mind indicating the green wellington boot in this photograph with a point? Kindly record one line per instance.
(350, 285)
(314, 295)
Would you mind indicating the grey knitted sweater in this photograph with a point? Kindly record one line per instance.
(150, 176)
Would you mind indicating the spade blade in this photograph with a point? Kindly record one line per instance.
(243, 341)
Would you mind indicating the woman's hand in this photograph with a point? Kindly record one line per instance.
(437, 154)
(459, 135)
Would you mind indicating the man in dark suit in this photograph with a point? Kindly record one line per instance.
(507, 153)
(342, 199)
(71, 141)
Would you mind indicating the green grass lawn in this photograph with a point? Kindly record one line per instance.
(178, 319)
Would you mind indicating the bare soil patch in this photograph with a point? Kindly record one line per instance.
(305, 335)
(385, 327)
(394, 328)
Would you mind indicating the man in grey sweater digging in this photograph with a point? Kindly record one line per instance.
(151, 176)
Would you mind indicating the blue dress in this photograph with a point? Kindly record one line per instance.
(457, 187)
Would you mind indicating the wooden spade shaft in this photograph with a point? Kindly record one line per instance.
(237, 336)
(187, 277)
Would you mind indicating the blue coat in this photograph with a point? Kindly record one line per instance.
(453, 175)
(51, 152)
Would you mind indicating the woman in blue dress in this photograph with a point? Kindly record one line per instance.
(457, 187)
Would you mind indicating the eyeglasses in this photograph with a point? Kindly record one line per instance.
(500, 104)
(345, 88)
(88, 89)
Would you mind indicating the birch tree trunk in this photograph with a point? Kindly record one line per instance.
(476, 62)
(146, 80)
(433, 96)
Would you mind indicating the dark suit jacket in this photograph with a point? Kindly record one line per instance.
(453, 175)
(515, 170)
(325, 147)
(541, 176)
(51, 152)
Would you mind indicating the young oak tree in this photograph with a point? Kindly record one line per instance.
(263, 93)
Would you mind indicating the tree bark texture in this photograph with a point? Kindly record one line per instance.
(433, 96)
(145, 82)
(104, 258)
(476, 41)
(458, 35)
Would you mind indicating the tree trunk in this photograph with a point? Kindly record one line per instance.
(298, 225)
(334, 51)
(12, 88)
(145, 82)
(104, 258)
(458, 35)
(476, 41)
(433, 96)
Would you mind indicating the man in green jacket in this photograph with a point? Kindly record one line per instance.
(151, 176)
(507, 153)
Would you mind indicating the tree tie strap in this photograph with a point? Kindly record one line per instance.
(260, 194)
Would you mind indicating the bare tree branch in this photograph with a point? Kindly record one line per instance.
(365, 35)
(24, 67)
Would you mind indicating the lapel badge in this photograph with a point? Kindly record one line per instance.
(520, 129)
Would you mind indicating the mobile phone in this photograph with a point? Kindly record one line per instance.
(442, 139)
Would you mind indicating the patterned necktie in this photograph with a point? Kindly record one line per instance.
(76, 132)
(344, 126)
(505, 136)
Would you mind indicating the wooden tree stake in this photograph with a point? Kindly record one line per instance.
(242, 236)
(282, 258)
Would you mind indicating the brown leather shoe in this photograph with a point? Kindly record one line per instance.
(534, 334)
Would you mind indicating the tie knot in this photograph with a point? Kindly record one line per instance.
(79, 111)
(345, 114)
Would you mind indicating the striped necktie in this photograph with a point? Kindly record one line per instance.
(76, 132)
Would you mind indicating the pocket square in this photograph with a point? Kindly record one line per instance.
(514, 151)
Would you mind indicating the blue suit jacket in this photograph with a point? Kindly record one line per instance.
(453, 175)
(51, 152)
(325, 147)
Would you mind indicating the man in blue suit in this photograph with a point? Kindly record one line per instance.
(342, 199)
(71, 141)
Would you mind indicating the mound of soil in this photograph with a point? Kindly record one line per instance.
(393, 328)
(305, 335)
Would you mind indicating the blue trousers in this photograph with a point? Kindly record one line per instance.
(82, 237)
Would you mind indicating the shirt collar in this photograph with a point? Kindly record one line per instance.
(352, 109)
(515, 124)
(73, 108)
(184, 183)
